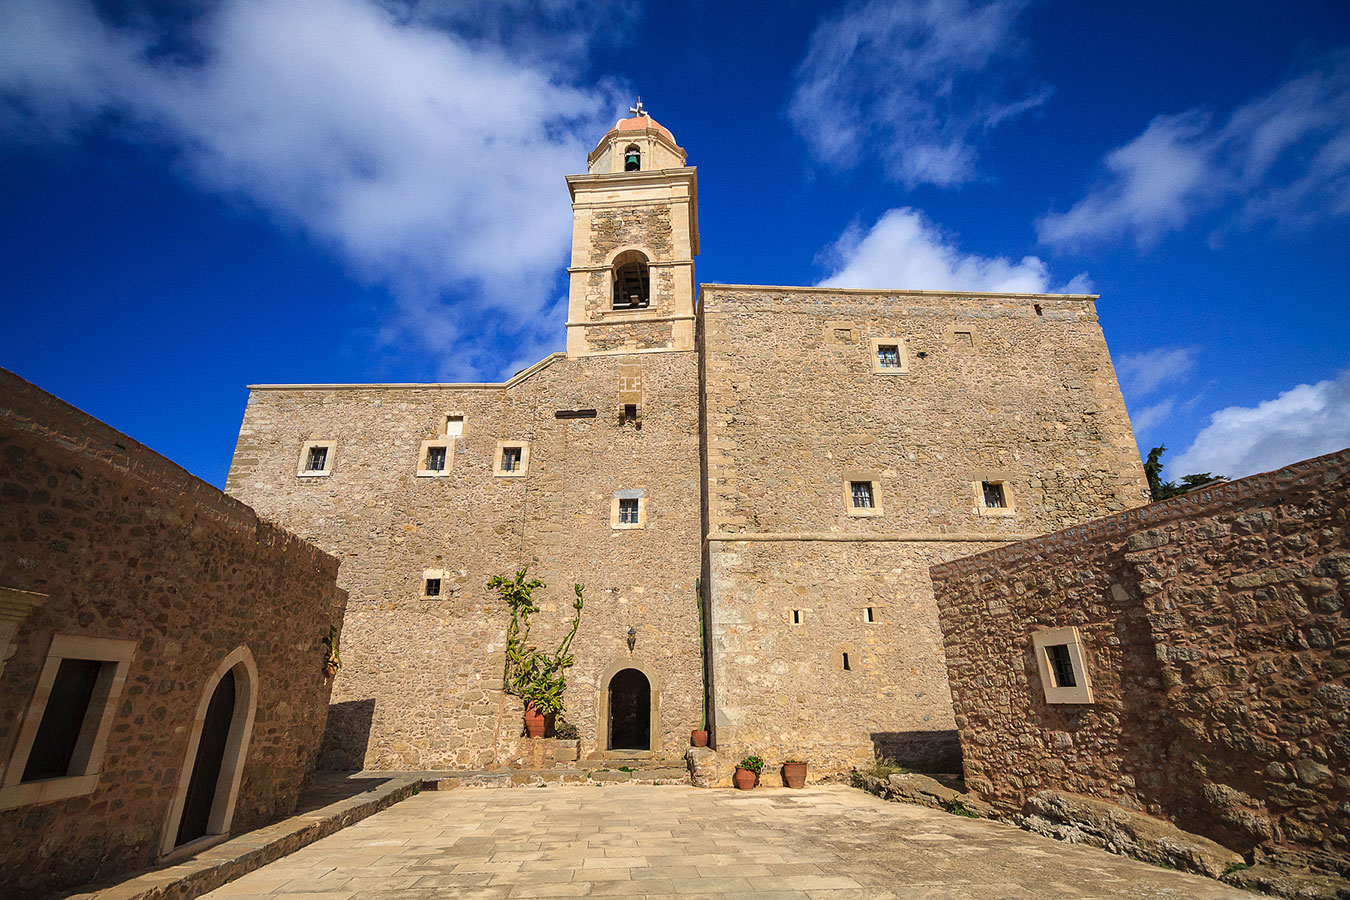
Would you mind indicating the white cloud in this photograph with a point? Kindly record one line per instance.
(1284, 156)
(1302, 422)
(1150, 417)
(904, 251)
(1143, 373)
(911, 83)
(428, 160)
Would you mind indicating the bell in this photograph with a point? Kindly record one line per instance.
(632, 162)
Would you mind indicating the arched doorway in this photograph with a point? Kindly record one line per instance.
(630, 711)
(203, 806)
(201, 792)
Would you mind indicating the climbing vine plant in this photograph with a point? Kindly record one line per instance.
(537, 677)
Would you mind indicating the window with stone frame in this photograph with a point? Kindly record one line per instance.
(512, 459)
(628, 509)
(889, 356)
(628, 512)
(61, 739)
(1061, 661)
(316, 459)
(862, 494)
(435, 457)
(993, 496)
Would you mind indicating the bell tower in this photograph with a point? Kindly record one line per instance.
(634, 239)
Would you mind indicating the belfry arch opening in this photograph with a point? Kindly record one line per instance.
(632, 158)
(630, 711)
(632, 281)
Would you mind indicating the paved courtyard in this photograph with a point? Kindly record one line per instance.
(639, 841)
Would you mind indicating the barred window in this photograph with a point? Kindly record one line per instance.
(433, 587)
(888, 356)
(862, 494)
(436, 459)
(628, 512)
(993, 495)
(511, 457)
(317, 460)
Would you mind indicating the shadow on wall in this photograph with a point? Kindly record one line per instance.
(347, 736)
(921, 751)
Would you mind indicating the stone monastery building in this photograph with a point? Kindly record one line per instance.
(751, 481)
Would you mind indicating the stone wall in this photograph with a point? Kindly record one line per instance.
(1217, 645)
(422, 687)
(1015, 388)
(112, 541)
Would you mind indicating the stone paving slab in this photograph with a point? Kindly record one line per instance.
(333, 802)
(658, 843)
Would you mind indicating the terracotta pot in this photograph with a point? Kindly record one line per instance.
(698, 738)
(794, 774)
(536, 723)
(744, 778)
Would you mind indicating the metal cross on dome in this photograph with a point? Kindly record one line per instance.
(638, 110)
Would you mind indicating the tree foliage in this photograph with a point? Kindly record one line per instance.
(1161, 490)
(535, 676)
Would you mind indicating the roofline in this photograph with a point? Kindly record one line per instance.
(457, 385)
(896, 291)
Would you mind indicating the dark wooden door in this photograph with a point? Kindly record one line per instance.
(630, 711)
(201, 792)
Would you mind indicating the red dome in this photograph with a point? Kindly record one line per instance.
(638, 123)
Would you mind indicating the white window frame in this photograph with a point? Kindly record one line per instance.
(302, 472)
(1009, 507)
(1041, 641)
(87, 762)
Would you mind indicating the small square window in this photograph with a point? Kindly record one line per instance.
(862, 494)
(1061, 662)
(454, 426)
(628, 509)
(435, 457)
(889, 356)
(513, 459)
(433, 587)
(993, 497)
(963, 338)
(316, 459)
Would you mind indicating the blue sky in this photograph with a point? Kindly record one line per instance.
(197, 196)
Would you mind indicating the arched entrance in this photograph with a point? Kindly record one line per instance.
(630, 711)
(208, 785)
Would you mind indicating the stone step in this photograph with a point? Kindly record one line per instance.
(445, 781)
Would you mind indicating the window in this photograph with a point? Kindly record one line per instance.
(963, 339)
(1062, 665)
(889, 356)
(433, 584)
(316, 459)
(993, 497)
(796, 617)
(433, 588)
(628, 415)
(632, 158)
(631, 281)
(513, 459)
(869, 614)
(862, 494)
(628, 509)
(454, 426)
(1040, 310)
(435, 457)
(846, 665)
(59, 750)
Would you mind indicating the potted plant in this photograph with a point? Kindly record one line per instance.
(747, 772)
(698, 738)
(537, 677)
(794, 773)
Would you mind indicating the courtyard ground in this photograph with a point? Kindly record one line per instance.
(643, 841)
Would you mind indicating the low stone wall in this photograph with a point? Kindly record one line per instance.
(105, 543)
(1214, 633)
